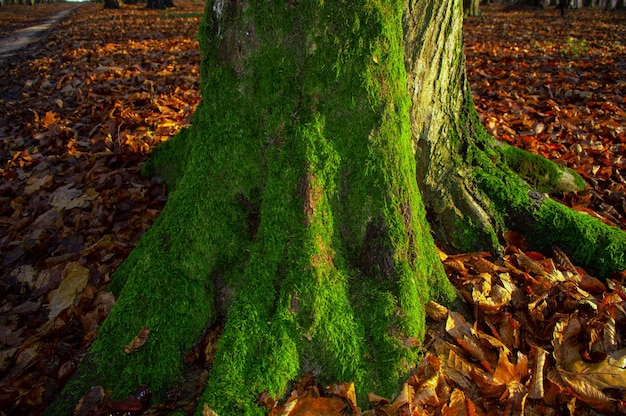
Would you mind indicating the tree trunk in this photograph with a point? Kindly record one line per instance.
(159, 4)
(111, 4)
(294, 213)
(471, 8)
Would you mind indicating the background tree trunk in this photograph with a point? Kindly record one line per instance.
(159, 4)
(471, 8)
(111, 4)
(294, 213)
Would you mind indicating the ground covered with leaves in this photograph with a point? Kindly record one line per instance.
(557, 87)
(16, 17)
(83, 108)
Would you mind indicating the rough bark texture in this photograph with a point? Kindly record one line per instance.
(474, 188)
(294, 213)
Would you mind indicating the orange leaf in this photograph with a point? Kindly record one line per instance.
(322, 406)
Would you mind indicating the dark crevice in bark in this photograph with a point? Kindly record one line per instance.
(376, 257)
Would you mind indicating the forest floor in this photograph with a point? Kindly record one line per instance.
(13, 42)
(83, 108)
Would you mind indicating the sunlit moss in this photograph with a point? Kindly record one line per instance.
(337, 162)
(541, 173)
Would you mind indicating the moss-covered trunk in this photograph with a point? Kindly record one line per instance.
(294, 212)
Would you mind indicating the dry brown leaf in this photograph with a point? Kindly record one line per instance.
(588, 393)
(345, 391)
(90, 401)
(507, 372)
(515, 397)
(609, 336)
(457, 406)
(436, 311)
(376, 399)
(68, 197)
(75, 277)
(494, 300)
(462, 332)
(565, 341)
(35, 183)
(426, 393)
(609, 373)
(530, 265)
(323, 406)
(403, 402)
(105, 243)
(138, 342)
(536, 389)
(461, 371)
(206, 411)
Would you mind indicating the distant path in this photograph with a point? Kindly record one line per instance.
(19, 39)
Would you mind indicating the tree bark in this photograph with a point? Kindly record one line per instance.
(159, 4)
(295, 215)
(111, 4)
(471, 8)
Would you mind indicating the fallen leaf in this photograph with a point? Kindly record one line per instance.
(35, 183)
(75, 277)
(138, 342)
(206, 411)
(536, 389)
(458, 405)
(67, 197)
(436, 311)
(345, 391)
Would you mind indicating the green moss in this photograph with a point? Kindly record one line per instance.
(542, 174)
(509, 179)
(338, 163)
(515, 204)
(471, 236)
(588, 242)
(293, 191)
(168, 160)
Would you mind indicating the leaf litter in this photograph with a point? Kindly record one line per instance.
(538, 336)
(557, 87)
(81, 112)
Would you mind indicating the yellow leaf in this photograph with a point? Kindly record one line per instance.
(436, 311)
(458, 405)
(206, 411)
